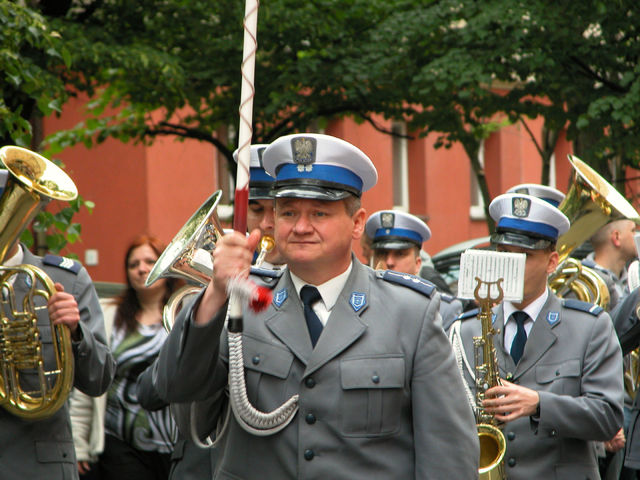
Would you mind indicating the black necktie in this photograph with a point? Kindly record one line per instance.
(517, 347)
(310, 295)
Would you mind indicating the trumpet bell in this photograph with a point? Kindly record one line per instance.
(188, 256)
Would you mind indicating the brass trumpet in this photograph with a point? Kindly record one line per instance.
(29, 387)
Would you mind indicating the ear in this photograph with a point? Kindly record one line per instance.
(615, 238)
(553, 262)
(358, 223)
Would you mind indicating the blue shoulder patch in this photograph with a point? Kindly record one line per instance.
(62, 262)
(411, 281)
(573, 304)
(468, 314)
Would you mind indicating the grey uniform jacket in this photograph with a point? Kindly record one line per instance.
(379, 396)
(34, 449)
(627, 325)
(188, 461)
(573, 360)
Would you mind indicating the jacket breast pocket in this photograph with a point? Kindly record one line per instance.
(561, 378)
(371, 400)
(267, 367)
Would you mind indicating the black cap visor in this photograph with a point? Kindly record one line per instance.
(312, 189)
(517, 239)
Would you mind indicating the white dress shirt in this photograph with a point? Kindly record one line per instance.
(511, 327)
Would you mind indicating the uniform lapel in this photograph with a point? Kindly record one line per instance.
(286, 320)
(344, 325)
(541, 336)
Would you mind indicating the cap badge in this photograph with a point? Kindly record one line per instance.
(304, 153)
(387, 220)
(520, 207)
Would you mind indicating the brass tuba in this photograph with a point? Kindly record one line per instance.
(27, 388)
(590, 204)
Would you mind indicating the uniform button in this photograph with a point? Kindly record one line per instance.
(256, 360)
(64, 455)
(310, 418)
(308, 454)
(511, 435)
(310, 382)
(509, 376)
(553, 433)
(557, 372)
(512, 462)
(375, 379)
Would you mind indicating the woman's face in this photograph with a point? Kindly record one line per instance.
(140, 262)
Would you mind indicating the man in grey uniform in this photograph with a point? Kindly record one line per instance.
(379, 395)
(560, 358)
(31, 449)
(397, 239)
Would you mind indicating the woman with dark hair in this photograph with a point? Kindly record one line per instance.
(137, 442)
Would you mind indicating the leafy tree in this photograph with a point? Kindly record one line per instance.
(32, 58)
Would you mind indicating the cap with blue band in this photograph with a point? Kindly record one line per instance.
(543, 192)
(526, 221)
(317, 166)
(395, 230)
(260, 182)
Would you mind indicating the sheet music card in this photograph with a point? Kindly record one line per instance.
(489, 266)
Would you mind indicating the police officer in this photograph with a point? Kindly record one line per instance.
(44, 448)
(397, 239)
(560, 358)
(378, 391)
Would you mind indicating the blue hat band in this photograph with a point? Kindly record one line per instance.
(397, 232)
(259, 175)
(552, 201)
(537, 228)
(324, 173)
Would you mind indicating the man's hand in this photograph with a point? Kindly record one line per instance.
(510, 401)
(616, 443)
(231, 258)
(63, 310)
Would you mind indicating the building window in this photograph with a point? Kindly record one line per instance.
(476, 211)
(400, 159)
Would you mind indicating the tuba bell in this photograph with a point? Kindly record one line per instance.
(29, 388)
(188, 256)
(590, 204)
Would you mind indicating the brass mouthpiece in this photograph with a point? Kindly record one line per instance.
(267, 243)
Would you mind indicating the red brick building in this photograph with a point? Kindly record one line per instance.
(156, 188)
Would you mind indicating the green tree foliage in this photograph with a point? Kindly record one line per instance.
(460, 68)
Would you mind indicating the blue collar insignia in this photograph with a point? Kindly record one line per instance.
(280, 297)
(553, 317)
(493, 318)
(357, 301)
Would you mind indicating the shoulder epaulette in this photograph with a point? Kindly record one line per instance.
(266, 272)
(62, 262)
(411, 281)
(468, 314)
(573, 304)
(445, 297)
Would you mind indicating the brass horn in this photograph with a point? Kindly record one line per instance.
(590, 204)
(27, 388)
(188, 256)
